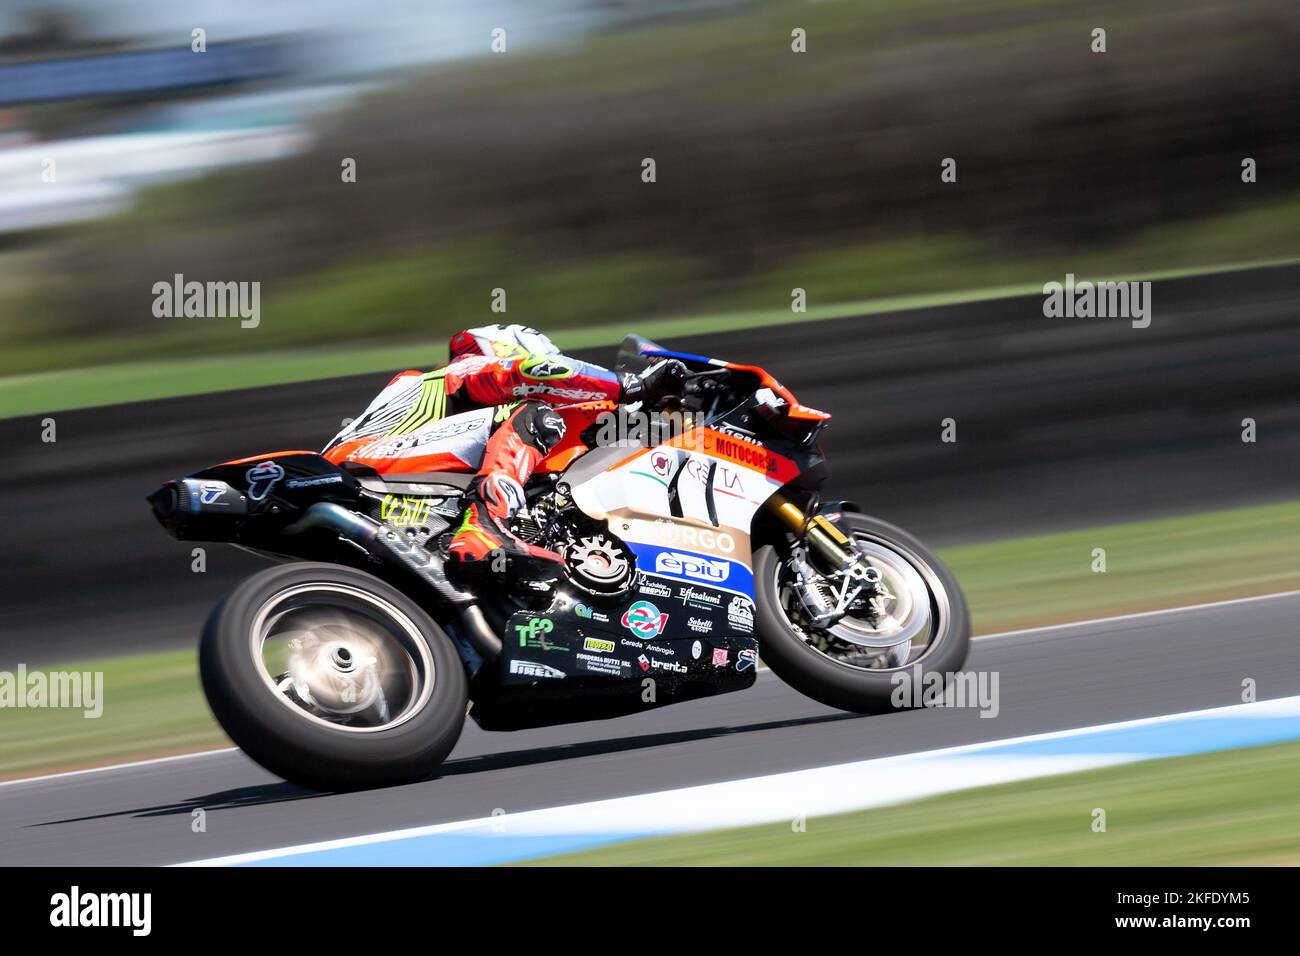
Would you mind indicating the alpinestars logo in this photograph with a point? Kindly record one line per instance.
(574, 394)
(544, 368)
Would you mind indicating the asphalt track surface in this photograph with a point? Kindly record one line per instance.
(1061, 423)
(1051, 679)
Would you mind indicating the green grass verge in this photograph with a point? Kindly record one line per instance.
(1234, 807)
(1048, 579)
(43, 392)
(153, 704)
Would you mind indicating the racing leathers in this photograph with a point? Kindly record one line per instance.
(516, 447)
(526, 428)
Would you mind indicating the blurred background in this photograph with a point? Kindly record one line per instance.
(126, 158)
(522, 169)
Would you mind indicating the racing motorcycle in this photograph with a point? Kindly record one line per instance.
(693, 548)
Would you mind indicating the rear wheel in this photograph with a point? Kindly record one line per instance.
(914, 620)
(332, 679)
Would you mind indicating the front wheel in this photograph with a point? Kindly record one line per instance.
(914, 621)
(332, 679)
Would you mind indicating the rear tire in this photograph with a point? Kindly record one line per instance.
(846, 687)
(283, 736)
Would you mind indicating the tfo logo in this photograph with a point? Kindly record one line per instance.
(534, 632)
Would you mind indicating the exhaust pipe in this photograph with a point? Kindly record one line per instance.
(375, 538)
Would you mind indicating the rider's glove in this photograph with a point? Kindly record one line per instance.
(661, 381)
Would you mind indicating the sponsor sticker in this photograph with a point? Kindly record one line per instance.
(661, 463)
(698, 598)
(678, 564)
(699, 625)
(726, 480)
(531, 669)
(690, 568)
(405, 510)
(573, 394)
(690, 537)
(399, 446)
(649, 585)
(746, 659)
(314, 482)
(535, 632)
(261, 478)
(742, 452)
(696, 650)
(740, 614)
(644, 620)
(668, 666)
(598, 645)
(211, 491)
(720, 657)
(590, 613)
(602, 665)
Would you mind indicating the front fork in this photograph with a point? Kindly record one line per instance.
(840, 576)
(834, 549)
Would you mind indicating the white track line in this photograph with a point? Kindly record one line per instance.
(987, 637)
(1137, 615)
(817, 791)
(119, 766)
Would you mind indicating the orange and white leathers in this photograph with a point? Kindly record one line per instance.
(508, 429)
(442, 420)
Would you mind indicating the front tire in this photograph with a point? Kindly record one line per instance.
(787, 650)
(332, 679)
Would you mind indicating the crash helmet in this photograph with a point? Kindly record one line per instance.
(500, 341)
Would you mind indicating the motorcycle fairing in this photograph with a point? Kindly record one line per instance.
(578, 661)
(660, 500)
(454, 443)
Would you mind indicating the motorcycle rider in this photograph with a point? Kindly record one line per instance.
(504, 366)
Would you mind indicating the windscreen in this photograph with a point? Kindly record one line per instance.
(630, 358)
